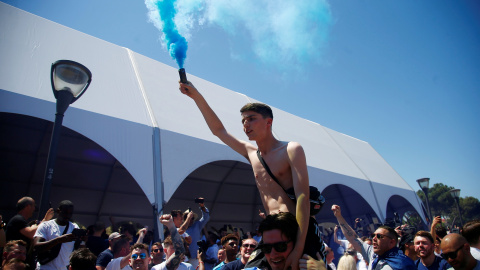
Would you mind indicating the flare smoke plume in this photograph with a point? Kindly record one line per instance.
(281, 33)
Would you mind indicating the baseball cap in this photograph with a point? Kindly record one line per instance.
(114, 235)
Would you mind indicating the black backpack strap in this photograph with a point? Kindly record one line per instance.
(267, 168)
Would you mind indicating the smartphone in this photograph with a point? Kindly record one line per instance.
(79, 232)
(199, 200)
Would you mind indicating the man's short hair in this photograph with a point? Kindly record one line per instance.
(140, 246)
(391, 232)
(228, 237)
(65, 203)
(471, 231)
(11, 244)
(440, 231)
(24, 202)
(426, 235)
(127, 227)
(99, 226)
(83, 259)
(284, 221)
(118, 245)
(260, 108)
(175, 213)
(157, 244)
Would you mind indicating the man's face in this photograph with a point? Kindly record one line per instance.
(157, 252)
(451, 249)
(178, 220)
(423, 247)
(18, 251)
(65, 212)
(221, 255)
(136, 261)
(254, 124)
(231, 247)
(276, 258)
(330, 256)
(247, 248)
(382, 242)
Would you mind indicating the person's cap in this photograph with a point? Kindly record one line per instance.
(114, 235)
(406, 238)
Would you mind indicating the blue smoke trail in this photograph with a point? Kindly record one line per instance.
(177, 45)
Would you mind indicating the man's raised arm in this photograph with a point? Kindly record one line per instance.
(349, 233)
(174, 260)
(213, 122)
(298, 165)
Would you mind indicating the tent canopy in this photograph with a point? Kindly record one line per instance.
(133, 140)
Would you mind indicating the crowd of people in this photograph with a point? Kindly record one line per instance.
(56, 243)
(288, 237)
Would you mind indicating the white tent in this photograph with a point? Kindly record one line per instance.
(134, 140)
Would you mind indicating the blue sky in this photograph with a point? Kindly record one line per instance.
(402, 75)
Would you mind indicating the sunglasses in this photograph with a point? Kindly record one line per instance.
(232, 244)
(380, 236)
(350, 252)
(141, 255)
(279, 247)
(249, 245)
(452, 255)
(158, 250)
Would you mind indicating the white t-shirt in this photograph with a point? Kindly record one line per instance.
(475, 253)
(182, 266)
(50, 230)
(115, 265)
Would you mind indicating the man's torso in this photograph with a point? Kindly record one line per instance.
(273, 195)
(438, 263)
(15, 224)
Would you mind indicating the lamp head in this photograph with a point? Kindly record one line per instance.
(455, 193)
(423, 183)
(67, 75)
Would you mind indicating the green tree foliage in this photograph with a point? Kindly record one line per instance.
(443, 204)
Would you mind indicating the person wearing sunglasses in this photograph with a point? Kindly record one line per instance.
(456, 251)
(383, 253)
(246, 249)
(157, 254)
(169, 251)
(230, 245)
(424, 247)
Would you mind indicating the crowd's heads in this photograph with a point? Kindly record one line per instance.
(347, 262)
(230, 244)
(406, 241)
(24, 202)
(247, 247)
(140, 257)
(177, 217)
(221, 255)
(157, 251)
(471, 231)
(384, 239)
(128, 230)
(424, 244)
(15, 249)
(82, 259)
(456, 251)
(99, 226)
(260, 108)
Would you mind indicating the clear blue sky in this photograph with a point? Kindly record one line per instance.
(402, 75)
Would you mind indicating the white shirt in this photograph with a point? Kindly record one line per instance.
(182, 266)
(50, 230)
(115, 265)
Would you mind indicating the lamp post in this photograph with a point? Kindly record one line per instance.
(456, 195)
(69, 81)
(423, 183)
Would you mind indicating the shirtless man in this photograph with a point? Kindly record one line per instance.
(286, 161)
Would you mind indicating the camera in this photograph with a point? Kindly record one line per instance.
(79, 232)
(202, 246)
(199, 200)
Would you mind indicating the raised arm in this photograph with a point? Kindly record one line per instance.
(212, 120)
(349, 233)
(174, 260)
(298, 165)
(335, 237)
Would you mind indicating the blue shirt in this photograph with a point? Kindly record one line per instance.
(438, 263)
(195, 232)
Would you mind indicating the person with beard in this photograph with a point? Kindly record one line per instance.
(383, 254)
(246, 249)
(424, 247)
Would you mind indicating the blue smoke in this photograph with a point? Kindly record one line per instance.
(162, 13)
(281, 34)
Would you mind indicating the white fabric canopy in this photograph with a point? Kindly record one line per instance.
(134, 111)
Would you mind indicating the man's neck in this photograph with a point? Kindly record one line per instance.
(230, 259)
(267, 145)
(428, 260)
(61, 221)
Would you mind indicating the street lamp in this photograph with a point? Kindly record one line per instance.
(69, 81)
(423, 183)
(456, 195)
